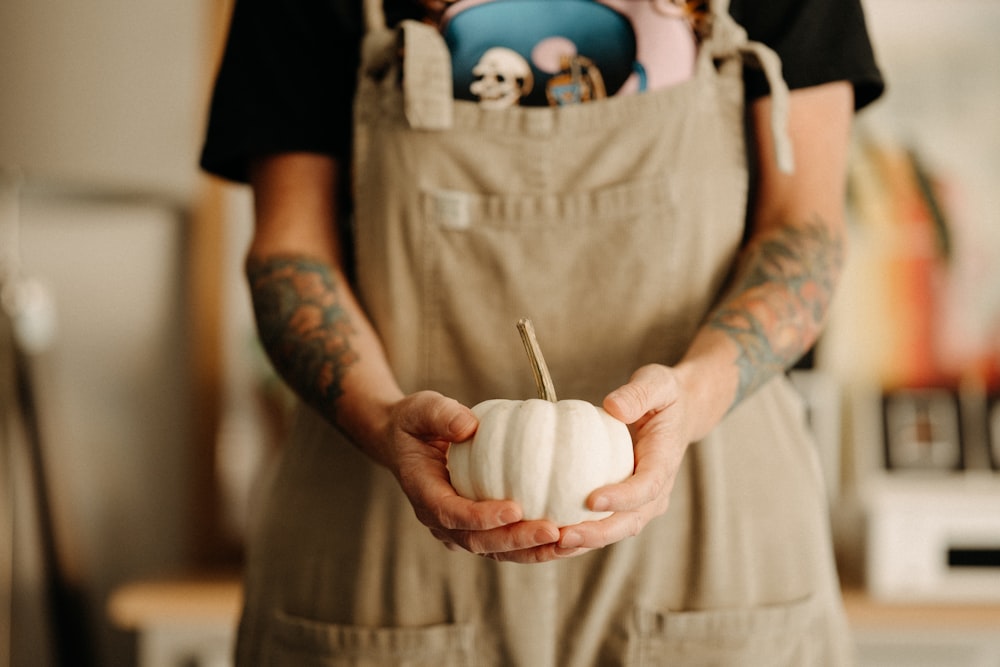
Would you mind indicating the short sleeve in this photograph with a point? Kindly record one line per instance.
(288, 73)
(819, 41)
(285, 83)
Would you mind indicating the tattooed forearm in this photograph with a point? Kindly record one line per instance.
(302, 325)
(778, 301)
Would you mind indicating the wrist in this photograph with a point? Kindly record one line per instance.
(708, 378)
(365, 417)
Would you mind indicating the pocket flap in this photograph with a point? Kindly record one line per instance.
(307, 643)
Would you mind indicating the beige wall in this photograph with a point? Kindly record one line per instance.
(103, 93)
(101, 107)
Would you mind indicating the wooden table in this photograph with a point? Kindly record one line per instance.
(184, 621)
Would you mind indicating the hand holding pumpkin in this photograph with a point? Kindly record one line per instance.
(655, 406)
(612, 499)
(547, 455)
(420, 427)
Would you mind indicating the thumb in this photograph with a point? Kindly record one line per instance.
(646, 391)
(433, 416)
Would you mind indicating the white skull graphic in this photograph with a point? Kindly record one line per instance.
(502, 78)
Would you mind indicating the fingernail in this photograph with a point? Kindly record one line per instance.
(600, 504)
(509, 516)
(546, 536)
(459, 424)
(571, 541)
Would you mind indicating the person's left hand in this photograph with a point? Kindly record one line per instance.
(653, 404)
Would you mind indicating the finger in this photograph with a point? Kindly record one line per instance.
(455, 513)
(437, 505)
(561, 552)
(650, 389)
(461, 514)
(522, 536)
(431, 416)
(542, 554)
(646, 486)
(445, 538)
(598, 534)
(654, 470)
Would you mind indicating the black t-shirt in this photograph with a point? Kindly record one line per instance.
(287, 78)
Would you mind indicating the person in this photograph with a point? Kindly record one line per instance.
(677, 250)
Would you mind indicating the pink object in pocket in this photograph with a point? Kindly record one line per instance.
(666, 44)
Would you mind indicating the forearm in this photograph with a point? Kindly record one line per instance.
(318, 342)
(771, 315)
(784, 278)
(315, 333)
(303, 325)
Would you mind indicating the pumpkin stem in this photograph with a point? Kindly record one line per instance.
(543, 379)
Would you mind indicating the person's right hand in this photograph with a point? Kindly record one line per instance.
(421, 427)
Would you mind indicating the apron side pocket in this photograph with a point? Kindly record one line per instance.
(783, 635)
(302, 642)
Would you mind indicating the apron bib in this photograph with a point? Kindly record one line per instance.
(612, 225)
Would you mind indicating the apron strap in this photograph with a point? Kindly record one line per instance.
(426, 76)
(374, 15)
(769, 62)
(720, 7)
(729, 41)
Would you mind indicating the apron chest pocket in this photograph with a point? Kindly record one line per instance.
(300, 642)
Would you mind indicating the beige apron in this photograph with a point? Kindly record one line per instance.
(612, 225)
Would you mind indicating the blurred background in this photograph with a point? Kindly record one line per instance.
(122, 513)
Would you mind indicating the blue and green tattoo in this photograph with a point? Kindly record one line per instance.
(778, 300)
(774, 311)
(303, 325)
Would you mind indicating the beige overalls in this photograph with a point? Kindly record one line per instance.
(612, 225)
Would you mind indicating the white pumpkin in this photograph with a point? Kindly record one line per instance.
(547, 455)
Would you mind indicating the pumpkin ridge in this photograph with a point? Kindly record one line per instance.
(489, 455)
(534, 456)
